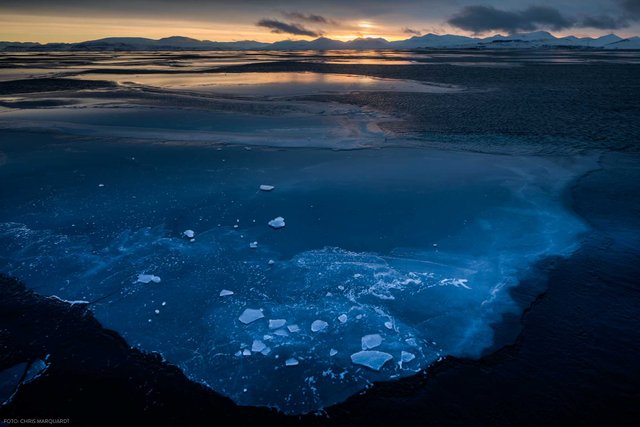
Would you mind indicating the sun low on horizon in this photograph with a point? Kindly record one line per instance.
(270, 21)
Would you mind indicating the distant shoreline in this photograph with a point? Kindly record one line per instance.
(534, 40)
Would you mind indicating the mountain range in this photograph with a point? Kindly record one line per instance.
(538, 39)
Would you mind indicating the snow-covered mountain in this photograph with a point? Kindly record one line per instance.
(537, 39)
(632, 43)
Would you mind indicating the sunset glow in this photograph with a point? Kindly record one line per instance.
(33, 21)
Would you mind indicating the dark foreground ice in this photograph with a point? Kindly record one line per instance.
(405, 255)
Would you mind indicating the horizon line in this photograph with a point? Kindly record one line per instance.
(473, 37)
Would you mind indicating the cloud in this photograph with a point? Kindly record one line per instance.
(301, 17)
(287, 28)
(411, 31)
(479, 19)
(632, 8)
(604, 22)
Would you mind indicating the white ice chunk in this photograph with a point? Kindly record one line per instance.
(333, 352)
(407, 357)
(293, 328)
(238, 353)
(291, 362)
(267, 187)
(277, 222)
(271, 262)
(266, 351)
(412, 342)
(225, 293)
(250, 315)
(276, 323)
(342, 318)
(253, 245)
(189, 233)
(246, 352)
(371, 341)
(147, 278)
(258, 346)
(371, 359)
(281, 333)
(388, 325)
(100, 185)
(319, 325)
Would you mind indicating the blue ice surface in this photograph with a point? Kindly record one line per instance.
(417, 245)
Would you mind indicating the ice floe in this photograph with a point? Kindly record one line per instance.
(333, 352)
(276, 323)
(371, 341)
(291, 362)
(319, 325)
(258, 346)
(225, 293)
(371, 359)
(293, 328)
(148, 278)
(277, 222)
(405, 356)
(342, 318)
(253, 245)
(267, 187)
(189, 233)
(251, 315)
(281, 333)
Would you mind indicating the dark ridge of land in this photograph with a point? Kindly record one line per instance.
(94, 377)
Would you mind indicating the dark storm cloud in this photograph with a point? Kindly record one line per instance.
(298, 16)
(287, 28)
(479, 19)
(411, 31)
(604, 22)
(632, 8)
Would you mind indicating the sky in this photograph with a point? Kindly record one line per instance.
(272, 20)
